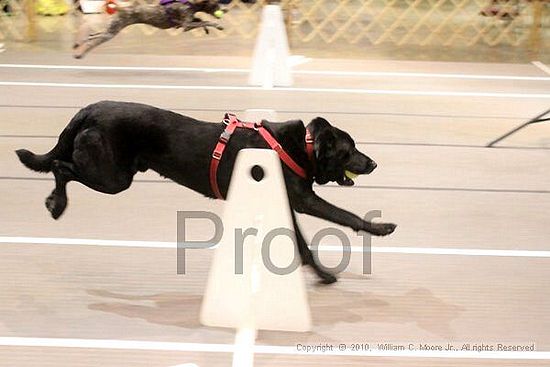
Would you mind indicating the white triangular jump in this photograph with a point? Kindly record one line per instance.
(269, 62)
(258, 298)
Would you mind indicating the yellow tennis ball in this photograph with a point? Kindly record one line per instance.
(350, 175)
(218, 13)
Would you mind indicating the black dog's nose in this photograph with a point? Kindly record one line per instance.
(370, 167)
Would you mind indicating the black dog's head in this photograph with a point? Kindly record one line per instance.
(335, 153)
(211, 7)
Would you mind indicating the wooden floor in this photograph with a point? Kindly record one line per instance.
(434, 179)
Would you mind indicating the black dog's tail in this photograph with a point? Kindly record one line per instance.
(62, 150)
(40, 163)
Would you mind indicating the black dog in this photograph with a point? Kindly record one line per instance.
(107, 143)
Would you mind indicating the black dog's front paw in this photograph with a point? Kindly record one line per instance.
(327, 278)
(324, 277)
(381, 229)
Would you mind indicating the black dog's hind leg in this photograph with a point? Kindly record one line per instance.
(57, 201)
(307, 256)
(100, 166)
(95, 165)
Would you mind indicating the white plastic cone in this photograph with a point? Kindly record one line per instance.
(269, 65)
(258, 298)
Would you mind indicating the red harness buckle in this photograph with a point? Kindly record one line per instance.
(224, 137)
(217, 155)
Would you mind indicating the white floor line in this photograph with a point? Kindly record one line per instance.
(85, 242)
(296, 72)
(124, 68)
(354, 249)
(541, 66)
(279, 89)
(259, 349)
(396, 74)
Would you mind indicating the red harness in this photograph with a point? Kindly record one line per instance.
(232, 123)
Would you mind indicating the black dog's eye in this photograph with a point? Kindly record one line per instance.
(346, 156)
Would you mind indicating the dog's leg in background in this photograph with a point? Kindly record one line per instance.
(307, 256)
(90, 41)
(201, 24)
(313, 205)
(83, 34)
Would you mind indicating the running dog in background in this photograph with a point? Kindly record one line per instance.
(107, 143)
(167, 14)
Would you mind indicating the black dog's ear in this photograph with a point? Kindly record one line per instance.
(324, 137)
(324, 144)
(320, 123)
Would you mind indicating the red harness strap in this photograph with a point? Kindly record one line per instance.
(232, 123)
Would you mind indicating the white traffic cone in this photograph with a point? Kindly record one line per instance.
(243, 290)
(269, 64)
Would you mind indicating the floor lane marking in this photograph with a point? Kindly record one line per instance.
(323, 248)
(279, 89)
(297, 72)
